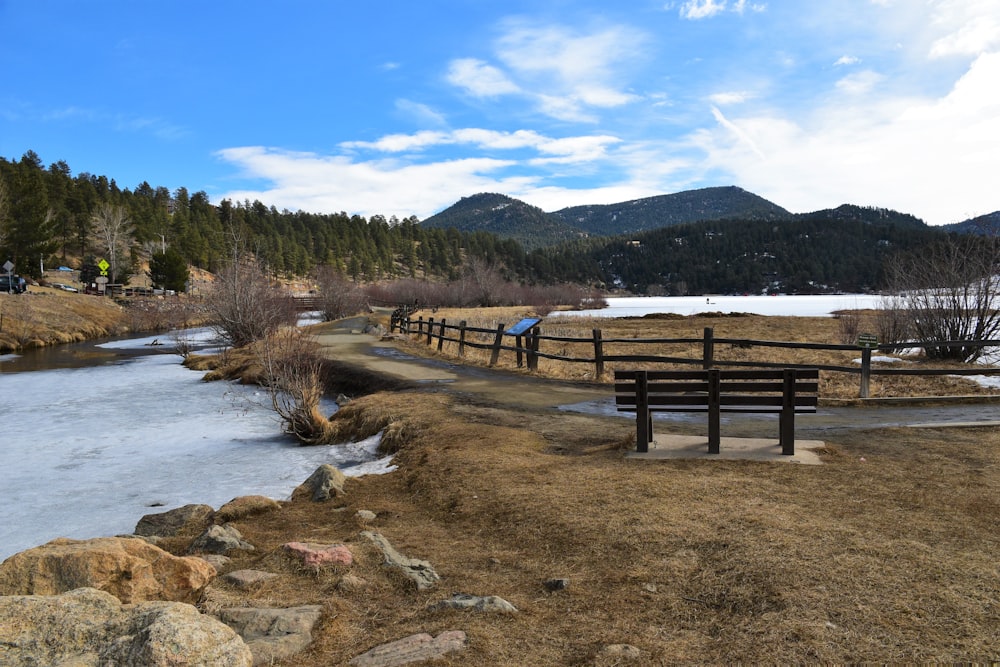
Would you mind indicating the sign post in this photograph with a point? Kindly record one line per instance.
(867, 342)
(8, 266)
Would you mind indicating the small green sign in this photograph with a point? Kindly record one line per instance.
(867, 340)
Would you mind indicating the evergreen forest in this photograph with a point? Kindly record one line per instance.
(49, 217)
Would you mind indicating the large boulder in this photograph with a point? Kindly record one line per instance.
(246, 506)
(90, 628)
(129, 568)
(186, 520)
(412, 649)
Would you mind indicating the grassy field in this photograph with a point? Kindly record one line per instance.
(828, 330)
(884, 553)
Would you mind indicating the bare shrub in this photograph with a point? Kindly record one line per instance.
(293, 372)
(951, 292)
(244, 306)
(849, 325)
(339, 297)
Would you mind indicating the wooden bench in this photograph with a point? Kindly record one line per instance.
(781, 391)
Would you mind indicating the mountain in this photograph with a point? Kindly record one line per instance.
(983, 225)
(505, 217)
(666, 210)
(869, 215)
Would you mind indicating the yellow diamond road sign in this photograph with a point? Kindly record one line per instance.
(103, 266)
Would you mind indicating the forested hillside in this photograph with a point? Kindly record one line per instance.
(50, 216)
(506, 217)
(666, 210)
(811, 254)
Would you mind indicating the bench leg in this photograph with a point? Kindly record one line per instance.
(786, 422)
(714, 408)
(643, 415)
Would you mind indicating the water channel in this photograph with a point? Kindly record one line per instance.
(94, 436)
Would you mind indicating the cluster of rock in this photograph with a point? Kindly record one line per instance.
(124, 600)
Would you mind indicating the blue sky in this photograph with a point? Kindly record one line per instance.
(401, 108)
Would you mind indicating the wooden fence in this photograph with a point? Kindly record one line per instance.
(526, 348)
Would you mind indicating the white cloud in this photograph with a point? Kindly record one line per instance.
(730, 97)
(846, 60)
(565, 73)
(419, 113)
(700, 9)
(860, 83)
(703, 9)
(931, 157)
(479, 79)
(972, 37)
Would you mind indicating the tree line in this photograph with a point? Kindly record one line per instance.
(48, 216)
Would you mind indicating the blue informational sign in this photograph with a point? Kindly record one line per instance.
(523, 326)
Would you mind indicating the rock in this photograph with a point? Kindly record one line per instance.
(129, 568)
(415, 648)
(325, 483)
(463, 601)
(620, 652)
(364, 517)
(220, 540)
(186, 520)
(554, 585)
(317, 555)
(273, 634)
(90, 628)
(247, 578)
(350, 583)
(420, 572)
(218, 561)
(244, 506)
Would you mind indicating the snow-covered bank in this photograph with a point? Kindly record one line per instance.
(792, 305)
(86, 452)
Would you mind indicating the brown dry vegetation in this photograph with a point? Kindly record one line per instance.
(886, 553)
(45, 316)
(828, 330)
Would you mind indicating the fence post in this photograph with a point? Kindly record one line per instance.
(643, 415)
(786, 423)
(708, 352)
(866, 371)
(533, 348)
(496, 345)
(519, 349)
(441, 337)
(430, 329)
(461, 338)
(598, 354)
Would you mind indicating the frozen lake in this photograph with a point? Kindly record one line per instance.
(88, 451)
(802, 306)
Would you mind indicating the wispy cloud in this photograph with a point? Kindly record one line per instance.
(565, 73)
(859, 83)
(480, 79)
(846, 60)
(703, 9)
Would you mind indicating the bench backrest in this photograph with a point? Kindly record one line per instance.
(691, 390)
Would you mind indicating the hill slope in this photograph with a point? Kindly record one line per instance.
(673, 209)
(505, 217)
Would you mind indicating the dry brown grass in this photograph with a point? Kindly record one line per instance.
(50, 318)
(884, 554)
(827, 330)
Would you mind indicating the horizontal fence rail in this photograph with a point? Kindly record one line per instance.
(526, 347)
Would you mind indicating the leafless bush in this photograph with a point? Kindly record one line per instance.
(893, 322)
(951, 293)
(244, 306)
(849, 326)
(468, 293)
(293, 377)
(18, 320)
(339, 297)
